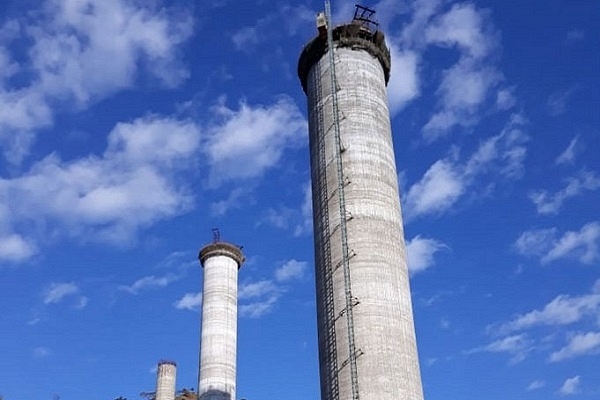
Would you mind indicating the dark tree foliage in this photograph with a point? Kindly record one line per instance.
(148, 395)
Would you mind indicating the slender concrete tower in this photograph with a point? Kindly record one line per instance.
(165, 380)
(218, 344)
(367, 344)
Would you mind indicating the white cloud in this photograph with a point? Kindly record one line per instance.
(15, 248)
(41, 352)
(537, 384)
(190, 301)
(254, 137)
(404, 78)
(21, 112)
(258, 298)
(153, 139)
(576, 186)
(7, 67)
(571, 386)
(575, 35)
(444, 323)
(296, 18)
(505, 98)
(279, 218)
(505, 152)
(150, 282)
(447, 180)
(581, 344)
(463, 89)
(438, 189)
(583, 245)
(466, 85)
(596, 287)
(413, 34)
(568, 156)
(562, 310)
(57, 292)
(245, 38)
(258, 308)
(179, 260)
(535, 242)
(81, 52)
(261, 288)
(465, 27)
(299, 218)
(306, 210)
(221, 207)
(511, 147)
(81, 303)
(557, 102)
(291, 270)
(431, 361)
(288, 19)
(421, 252)
(517, 345)
(105, 198)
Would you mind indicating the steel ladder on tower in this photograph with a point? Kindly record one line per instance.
(328, 355)
(350, 301)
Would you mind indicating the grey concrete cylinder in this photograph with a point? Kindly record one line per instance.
(165, 380)
(218, 343)
(387, 366)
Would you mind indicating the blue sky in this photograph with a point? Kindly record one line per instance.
(128, 130)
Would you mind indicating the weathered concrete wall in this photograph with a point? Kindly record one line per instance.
(387, 361)
(165, 380)
(218, 345)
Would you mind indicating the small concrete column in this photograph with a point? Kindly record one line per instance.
(218, 343)
(165, 380)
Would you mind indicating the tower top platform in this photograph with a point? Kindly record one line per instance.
(221, 249)
(354, 35)
(167, 362)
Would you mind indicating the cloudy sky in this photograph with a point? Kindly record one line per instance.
(129, 130)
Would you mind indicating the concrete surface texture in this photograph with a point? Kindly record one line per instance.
(377, 282)
(165, 380)
(218, 345)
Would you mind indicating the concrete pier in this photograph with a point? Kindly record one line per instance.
(166, 374)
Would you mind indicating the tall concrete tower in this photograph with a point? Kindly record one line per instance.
(218, 344)
(367, 345)
(165, 380)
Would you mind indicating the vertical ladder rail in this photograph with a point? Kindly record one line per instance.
(324, 267)
(352, 353)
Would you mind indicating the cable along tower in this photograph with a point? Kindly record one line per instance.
(367, 344)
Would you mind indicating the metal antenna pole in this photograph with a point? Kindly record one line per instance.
(342, 209)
